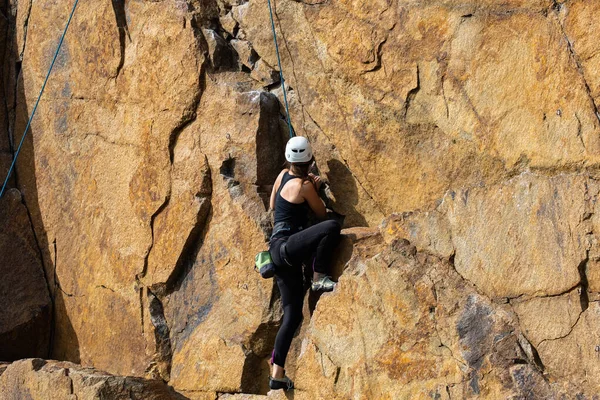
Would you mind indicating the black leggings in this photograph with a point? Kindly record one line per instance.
(313, 245)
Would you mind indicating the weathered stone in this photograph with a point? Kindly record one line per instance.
(26, 311)
(179, 225)
(402, 324)
(38, 379)
(99, 167)
(470, 126)
(273, 394)
(536, 242)
(578, 20)
(549, 318)
(246, 53)
(345, 69)
(221, 308)
(3, 367)
(221, 55)
(573, 356)
(264, 73)
(229, 23)
(428, 231)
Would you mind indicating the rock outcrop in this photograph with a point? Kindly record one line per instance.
(26, 312)
(459, 139)
(37, 379)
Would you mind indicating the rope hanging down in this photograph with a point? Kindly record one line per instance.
(12, 166)
(287, 109)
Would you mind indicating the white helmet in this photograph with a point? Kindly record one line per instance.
(298, 150)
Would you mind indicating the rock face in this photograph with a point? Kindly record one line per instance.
(26, 312)
(460, 140)
(37, 379)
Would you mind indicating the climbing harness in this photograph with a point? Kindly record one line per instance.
(38, 100)
(287, 110)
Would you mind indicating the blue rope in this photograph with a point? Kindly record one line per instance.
(38, 101)
(287, 109)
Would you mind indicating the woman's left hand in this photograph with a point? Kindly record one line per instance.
(316, 180)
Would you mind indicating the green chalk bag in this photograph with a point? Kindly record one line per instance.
(263, 263)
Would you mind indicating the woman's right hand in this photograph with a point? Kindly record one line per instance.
(316, 180)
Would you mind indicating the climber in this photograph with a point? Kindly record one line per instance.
(294, 192)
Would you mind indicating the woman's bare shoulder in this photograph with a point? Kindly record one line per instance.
(280, 176)
(282, 173)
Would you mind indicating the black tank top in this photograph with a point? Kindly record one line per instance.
(294, 214)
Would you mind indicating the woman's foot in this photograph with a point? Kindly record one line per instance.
(284, 383)
(324, 284)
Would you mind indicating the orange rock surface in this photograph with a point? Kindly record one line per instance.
(459, 139)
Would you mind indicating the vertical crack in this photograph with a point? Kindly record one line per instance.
(163, 355)
(152, 219)
(141, 294)
(579, 130)
(40, 253)
(121, 18)
(7, 50)
(25, 29)
(583, 295)
(557, 7)
(412, 93)
(444, 96)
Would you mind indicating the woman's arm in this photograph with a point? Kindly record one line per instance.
(310, 194)
(275, 188)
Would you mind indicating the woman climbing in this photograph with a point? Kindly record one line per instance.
(293, 243)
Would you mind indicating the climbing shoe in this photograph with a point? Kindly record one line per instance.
(284, 383)
(325, 284)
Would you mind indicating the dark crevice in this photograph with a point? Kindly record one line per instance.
(53, 298)
(163, 354)
(255, 370)
(273, 86)
(227, 168)
(258, 349)
(378, 57)
(194, 241)
(152, 218)
(121, 18)
(583, 297)
(189, 115)
(105, 287)
(270, 141)
(338, 370)
(412, 93)
(43, 266)
(25, 29)
(13, 53)
(531, 352)
(141, 299)
(71, 386)
(579, 130)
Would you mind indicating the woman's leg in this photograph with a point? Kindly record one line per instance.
(292, 295)
(319, 239)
